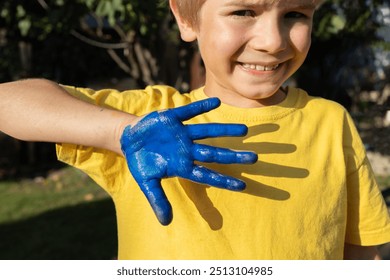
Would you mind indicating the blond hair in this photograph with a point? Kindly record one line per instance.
(189, 10)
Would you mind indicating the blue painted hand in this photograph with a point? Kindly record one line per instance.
(160, 146)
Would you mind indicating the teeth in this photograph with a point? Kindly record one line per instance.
(260, 67)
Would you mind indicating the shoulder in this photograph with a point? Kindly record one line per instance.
(316, 102)
(319, 107)
(326, 114)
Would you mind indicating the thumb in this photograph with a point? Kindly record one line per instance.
(158, 201)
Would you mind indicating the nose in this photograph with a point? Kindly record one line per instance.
(268, 35)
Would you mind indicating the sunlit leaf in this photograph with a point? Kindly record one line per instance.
(24, 26)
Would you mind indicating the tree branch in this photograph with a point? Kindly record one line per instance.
(97, 43)
(132, 72)
(43, 4)
(146, 73)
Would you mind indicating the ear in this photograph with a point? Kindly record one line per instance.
(187, 31)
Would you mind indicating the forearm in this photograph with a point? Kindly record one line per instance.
(40, 110)
(355, 252)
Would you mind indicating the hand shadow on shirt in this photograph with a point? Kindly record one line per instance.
(204, 204)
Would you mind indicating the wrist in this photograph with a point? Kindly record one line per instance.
(126, 120)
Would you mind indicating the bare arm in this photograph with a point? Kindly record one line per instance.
(355, 252)
(40, 110)
(156, 146)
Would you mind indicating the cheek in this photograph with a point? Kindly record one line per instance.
(301, 40)
(220, 41)
(224, 45)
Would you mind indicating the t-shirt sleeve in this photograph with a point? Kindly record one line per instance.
(368, 221)
(104, 167)
(137, 102)
(108, 169)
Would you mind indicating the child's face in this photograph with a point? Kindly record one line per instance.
(251, 47)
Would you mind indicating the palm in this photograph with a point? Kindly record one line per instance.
(160, 146)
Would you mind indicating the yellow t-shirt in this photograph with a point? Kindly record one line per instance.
(311, 190)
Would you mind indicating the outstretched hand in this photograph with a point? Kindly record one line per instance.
(161, 146)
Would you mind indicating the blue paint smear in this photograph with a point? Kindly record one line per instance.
(161, 146)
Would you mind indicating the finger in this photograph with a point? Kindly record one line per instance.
(202, 131)
(209, 177)
(196, 108)
(158, 200)
(206, 153)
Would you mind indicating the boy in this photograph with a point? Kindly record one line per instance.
(310, 195)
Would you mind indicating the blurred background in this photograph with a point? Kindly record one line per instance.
(50, 211)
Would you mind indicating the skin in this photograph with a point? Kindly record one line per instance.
(356, 252)
(238, 39)
(160, 146)
(156, 146)
(234, 36)
(29, 109)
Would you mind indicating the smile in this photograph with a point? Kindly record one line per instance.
(260, 67)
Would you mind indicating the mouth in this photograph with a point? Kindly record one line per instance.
(260, 67)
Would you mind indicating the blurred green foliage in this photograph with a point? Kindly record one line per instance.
(48, 25)
(116, 26)
(349, 55)
(342, 18)
(38, 19)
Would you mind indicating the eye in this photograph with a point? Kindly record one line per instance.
(295, 15)
(244, 13)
